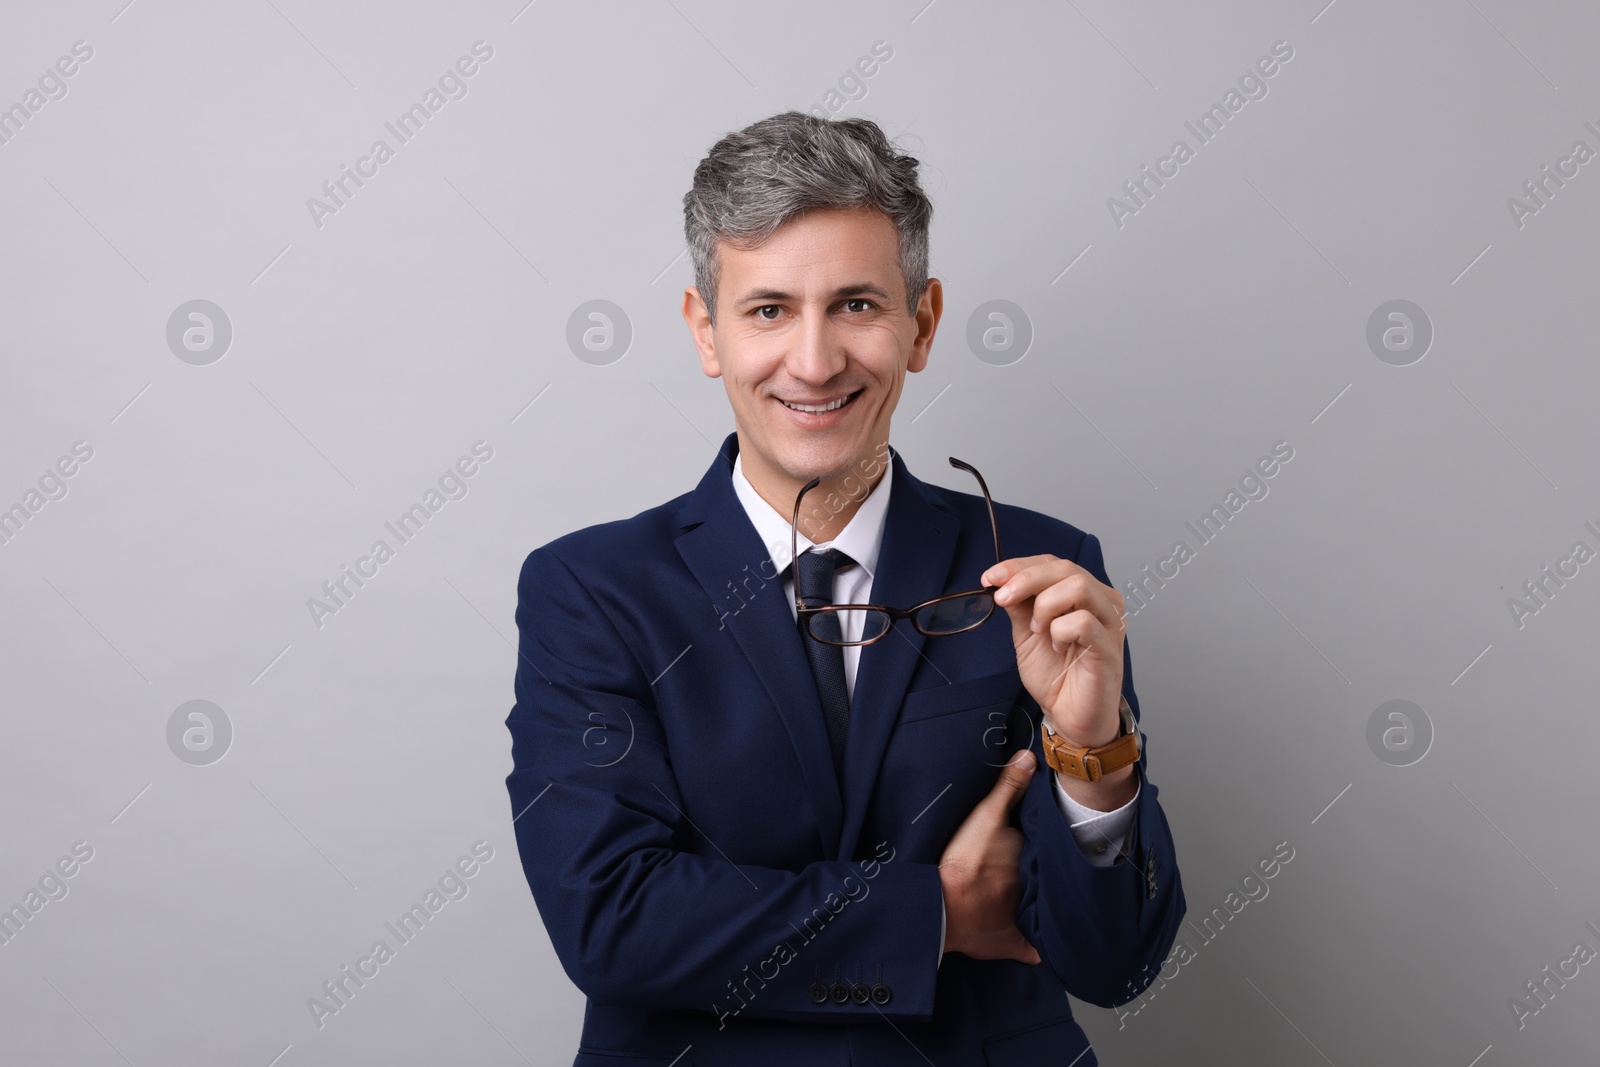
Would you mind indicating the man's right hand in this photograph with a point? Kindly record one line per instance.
(981, 877)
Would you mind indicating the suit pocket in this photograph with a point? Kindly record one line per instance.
(595, 1057)
(1059, 1041)
(989, 691)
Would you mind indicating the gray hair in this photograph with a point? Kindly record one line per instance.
(755, 180)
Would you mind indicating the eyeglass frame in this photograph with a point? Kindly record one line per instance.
(805, 614)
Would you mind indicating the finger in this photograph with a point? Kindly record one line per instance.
(1073, 654)
(1009, 787)
(1024, 577)
(1006, 568)
(1081, 591)
(1018, 580)
(1014, 946)
(1020, 592)
(1084, 629)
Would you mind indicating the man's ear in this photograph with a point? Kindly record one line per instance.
(929, 307)
(698, 320)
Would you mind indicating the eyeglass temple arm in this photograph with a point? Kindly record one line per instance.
(794, 539)
(794, 525)
(994, 524)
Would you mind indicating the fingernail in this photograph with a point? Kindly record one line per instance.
(1033, 624)
(1024, 760)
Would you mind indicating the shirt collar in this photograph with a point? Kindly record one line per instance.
(861, 539)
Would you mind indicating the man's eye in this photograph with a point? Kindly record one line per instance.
(858, 300)
(765, 308)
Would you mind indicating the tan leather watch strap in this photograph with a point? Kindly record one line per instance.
(1090, 764)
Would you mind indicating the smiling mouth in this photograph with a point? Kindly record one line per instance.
(818, 409)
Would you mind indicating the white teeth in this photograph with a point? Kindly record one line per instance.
(817, 409)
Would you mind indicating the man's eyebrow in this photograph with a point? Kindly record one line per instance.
(841, 293)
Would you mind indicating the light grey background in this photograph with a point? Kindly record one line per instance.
(369, 354)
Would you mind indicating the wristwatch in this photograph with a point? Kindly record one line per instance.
(1090, 764)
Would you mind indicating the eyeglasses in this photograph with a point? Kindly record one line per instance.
(942, 616)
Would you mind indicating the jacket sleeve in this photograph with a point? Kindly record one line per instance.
(641, 908)
(1104, 931)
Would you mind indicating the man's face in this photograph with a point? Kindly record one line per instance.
(815, 316)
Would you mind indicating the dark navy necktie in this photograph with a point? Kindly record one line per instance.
(815, 586)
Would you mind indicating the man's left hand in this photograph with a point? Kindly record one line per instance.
(1068, 627)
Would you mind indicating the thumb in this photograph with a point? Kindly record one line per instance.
(1012, 783)
(1021, 615)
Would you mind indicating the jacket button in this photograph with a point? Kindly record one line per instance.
(818, 993)
(840, 992)
(880, 994)
(859, 994)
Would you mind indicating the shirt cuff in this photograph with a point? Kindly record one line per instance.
(1101, 835)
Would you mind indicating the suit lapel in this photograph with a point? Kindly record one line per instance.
(720, 542)
(919, 541)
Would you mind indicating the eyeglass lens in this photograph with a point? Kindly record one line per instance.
(940, 619)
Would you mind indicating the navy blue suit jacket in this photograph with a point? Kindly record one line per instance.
(702, 874)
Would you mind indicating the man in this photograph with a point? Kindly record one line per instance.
(755, 842)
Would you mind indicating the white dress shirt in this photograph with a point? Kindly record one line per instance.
(1101, 835)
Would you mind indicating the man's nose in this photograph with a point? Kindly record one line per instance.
(817, 355)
